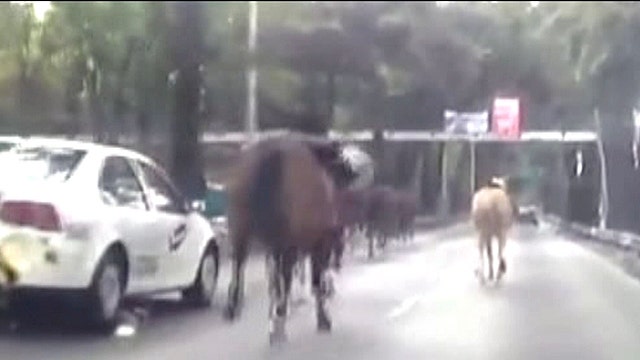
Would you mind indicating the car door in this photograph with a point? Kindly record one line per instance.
(128, 211)
(169, 207)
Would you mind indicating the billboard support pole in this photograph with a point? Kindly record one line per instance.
(444, 198)
(603, 209)
(472, 165)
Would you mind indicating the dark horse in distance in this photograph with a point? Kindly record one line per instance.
(283, 193)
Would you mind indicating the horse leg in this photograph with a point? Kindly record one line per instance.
(405, 232)
(482, 240)
(279, 290)
(338, 249)
(382, 239)
(489, 258)
(298, 272)
(302, 268)
(236, 285)
(322, 286)
(268, 265)
(302, 277)
(272, 281)
(370, 241)
(350, 244)
(502, 267)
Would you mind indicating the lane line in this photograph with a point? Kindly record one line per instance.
(406, 305)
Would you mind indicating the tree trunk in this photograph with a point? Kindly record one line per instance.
(331, 98)
(96, 109)
(24, 102)
(187, 47)
(622, 179)
(119, 102)
(379, 157)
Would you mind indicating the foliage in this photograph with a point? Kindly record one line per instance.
(104, 66)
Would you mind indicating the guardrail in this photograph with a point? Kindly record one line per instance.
(388, 135)
(622, 239)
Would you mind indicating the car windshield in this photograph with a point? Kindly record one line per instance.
(45, 163)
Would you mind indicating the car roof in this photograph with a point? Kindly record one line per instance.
(103, 150)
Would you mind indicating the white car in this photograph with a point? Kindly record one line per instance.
(8, 145)
(103, 222)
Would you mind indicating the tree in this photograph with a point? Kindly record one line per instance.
(187, 55)
(95, 44)
(23, 61)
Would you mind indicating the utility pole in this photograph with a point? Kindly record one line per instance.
(251, 120)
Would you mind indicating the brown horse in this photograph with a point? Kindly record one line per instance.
(282, 192)
(383, 216)
(407, 211)
(352, 216)
(493, 212)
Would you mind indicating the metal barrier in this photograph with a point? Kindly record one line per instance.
(621, 239)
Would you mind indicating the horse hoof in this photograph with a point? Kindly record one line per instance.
(477, 273)
(327, 286)
(277, 338)
(502, 268)
(324, 325)
(299, 301)
(230, 313)
(337, 266)
(277, 333)
(480, 276)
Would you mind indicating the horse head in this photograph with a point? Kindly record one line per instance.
(498, 182)
(502, 182)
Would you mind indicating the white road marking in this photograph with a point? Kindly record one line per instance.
(406, 305)
(125, 330)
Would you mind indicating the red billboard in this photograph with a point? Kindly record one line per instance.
(505, 119)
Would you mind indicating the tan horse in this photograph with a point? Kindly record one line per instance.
(492, 212)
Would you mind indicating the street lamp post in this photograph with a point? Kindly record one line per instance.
(252, 73)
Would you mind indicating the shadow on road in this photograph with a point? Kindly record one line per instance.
(47, 320)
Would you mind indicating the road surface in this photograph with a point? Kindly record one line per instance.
(417, 301)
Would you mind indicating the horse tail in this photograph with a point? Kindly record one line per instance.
(265, 194)
(502, 219)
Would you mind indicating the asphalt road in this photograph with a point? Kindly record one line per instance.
(558, 300)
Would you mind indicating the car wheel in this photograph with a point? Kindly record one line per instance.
(106, 290)
(202, 291)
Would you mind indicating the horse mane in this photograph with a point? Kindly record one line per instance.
(327, 152)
